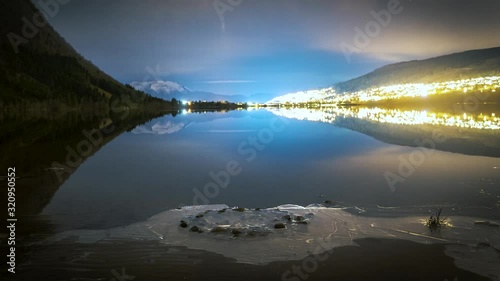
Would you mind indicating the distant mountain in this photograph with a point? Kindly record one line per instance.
(469, 64)
(167, 90)
(459, 66)
(38, 65)
(160, 88)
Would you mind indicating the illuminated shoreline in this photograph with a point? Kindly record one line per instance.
(487, 85)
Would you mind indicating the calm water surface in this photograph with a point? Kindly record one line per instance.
(159, 166)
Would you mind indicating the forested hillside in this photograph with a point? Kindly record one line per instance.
(39, 69)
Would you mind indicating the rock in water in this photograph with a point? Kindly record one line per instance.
(279, 225)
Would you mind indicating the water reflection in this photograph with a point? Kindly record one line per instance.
(394, 116)
(465, 133)
(160, 128)
(139, 175)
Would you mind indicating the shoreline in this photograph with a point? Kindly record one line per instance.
(369, 259)
(462, 249)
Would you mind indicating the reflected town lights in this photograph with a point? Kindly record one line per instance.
(392, 116)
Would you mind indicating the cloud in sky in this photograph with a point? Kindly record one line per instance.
(279, 45)
(228, 81)
(422, 29)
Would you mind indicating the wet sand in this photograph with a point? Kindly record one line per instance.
(373, 259)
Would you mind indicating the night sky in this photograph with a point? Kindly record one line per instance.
(266, 46)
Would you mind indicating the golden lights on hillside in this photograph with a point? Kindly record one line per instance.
(325, 96)
(490, 84)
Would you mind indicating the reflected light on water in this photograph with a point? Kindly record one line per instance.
(393, 116)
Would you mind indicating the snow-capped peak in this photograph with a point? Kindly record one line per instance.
(160, 87)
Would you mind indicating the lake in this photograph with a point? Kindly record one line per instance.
(220, 195)
(281, 157)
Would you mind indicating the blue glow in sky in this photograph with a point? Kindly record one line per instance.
(266, 46)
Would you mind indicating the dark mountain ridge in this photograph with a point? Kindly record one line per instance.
(38, 66)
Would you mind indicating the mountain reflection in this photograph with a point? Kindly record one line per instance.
(465, 133)
(160, 128)
(175, 123)
(394, 116)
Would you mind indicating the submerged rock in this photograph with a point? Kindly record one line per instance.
(279, 225)
(236, 232)
(299, 218)
(184, 224)
(483, 245)
(196, 229)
